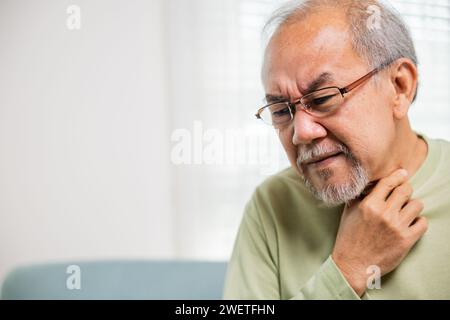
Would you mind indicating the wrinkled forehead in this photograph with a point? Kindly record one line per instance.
(302, 52)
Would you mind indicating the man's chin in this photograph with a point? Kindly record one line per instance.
(328, 178)
(335, 190)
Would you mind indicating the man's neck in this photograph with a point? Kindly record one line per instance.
(413, 153)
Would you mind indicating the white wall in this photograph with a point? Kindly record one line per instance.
(84, 165)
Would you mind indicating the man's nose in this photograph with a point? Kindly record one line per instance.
(306, 128)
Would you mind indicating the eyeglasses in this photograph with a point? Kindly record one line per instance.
(318, 103)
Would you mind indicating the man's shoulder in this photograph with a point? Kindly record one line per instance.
(439, 150)
(432, 180)
(442, 159)
(445, 146)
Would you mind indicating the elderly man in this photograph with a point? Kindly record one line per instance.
(364, 211)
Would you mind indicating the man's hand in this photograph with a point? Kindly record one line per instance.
(379, 230)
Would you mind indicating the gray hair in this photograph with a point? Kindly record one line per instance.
(386, 42)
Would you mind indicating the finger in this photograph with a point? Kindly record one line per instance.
(385, 186)
(411, 212)
(418, 227)
(399, 197)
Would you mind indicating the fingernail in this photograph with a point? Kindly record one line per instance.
(403, 172)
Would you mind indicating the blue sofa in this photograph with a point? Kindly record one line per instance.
(161, 280)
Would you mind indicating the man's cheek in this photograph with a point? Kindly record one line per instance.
(291, 152)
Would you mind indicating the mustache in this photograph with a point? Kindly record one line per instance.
(316, 151)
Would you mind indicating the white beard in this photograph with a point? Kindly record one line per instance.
(337, 194)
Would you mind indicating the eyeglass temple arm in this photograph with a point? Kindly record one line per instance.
(258, 114)
(358, 82)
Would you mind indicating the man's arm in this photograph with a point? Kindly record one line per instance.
(252, 272)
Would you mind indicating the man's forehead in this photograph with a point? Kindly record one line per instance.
(302, 74)
(324, 79)
(310, 59)
(313, 84)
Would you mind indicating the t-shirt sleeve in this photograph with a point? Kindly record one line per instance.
(327, 284)
(252, 272)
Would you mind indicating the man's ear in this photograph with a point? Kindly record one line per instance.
(404, 80)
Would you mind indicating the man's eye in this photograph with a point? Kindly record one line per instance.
(322, 100)
(281, 112)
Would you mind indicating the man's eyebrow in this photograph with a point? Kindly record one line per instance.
(270, 98)
(316, 84)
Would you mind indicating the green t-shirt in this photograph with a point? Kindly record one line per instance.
(284, 244)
